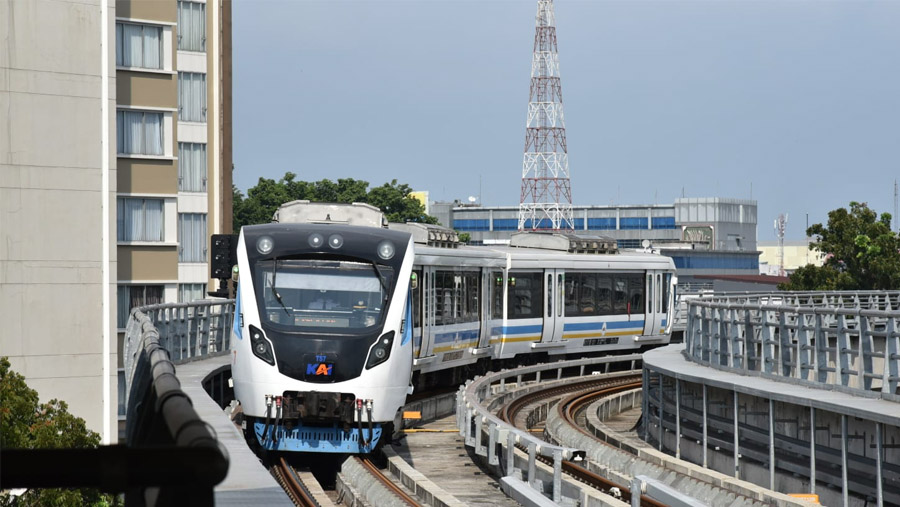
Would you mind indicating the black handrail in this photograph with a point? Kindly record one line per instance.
(172, 457)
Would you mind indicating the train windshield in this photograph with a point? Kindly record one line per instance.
(303, 294)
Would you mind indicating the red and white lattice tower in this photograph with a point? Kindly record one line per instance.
(546, 201)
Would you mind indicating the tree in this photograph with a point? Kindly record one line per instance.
(27, 424)
(862, 253)
(264, 199)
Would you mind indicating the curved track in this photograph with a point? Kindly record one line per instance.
(397, 490)
(586, 392)
(293, 486)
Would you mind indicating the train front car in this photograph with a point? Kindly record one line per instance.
(322, 352)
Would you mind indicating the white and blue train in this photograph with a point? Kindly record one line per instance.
(335, 321)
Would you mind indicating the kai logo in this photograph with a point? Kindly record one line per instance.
(320, 367)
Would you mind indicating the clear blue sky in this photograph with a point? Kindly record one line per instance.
(797, 100)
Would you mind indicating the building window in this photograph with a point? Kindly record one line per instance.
(192, 167)
(631, 223)
(139, 219)
(140, 133)
(133, 296)
(139, 46)
(191, 26)
(122, 391)
(192, 96)
(663, 222)
(191, 237)
(188, 292)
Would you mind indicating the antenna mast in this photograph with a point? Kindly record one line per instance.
(546, 200)
(780, 224)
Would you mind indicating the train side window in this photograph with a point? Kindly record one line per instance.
(667, 280)
(417, 302)
(549, 295)
(525, 295)
(659, 300)
(636, 293)
(497, 295)
(604, 285)
(620, 305)
(559, 295)
(473, 306)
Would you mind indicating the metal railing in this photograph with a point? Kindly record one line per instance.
(845, 340)
(476, 420)
(187, 331)
(172, 457)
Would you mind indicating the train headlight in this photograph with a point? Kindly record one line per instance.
(385, 249)
(381, 351)
(260, 346)
(316, 240)
(265, 244)
(335, 241)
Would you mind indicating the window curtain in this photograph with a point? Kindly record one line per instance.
(132, 44)
(191, 26)
(192, 167)
(152, 50)
(133, 296)
(153, 135)
(188, 292)
(192, 237)
(132, 125)
(153, 225)
(139, 46)
(139, 219)
(192, 96)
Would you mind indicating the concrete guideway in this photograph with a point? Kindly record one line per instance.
(761, 427)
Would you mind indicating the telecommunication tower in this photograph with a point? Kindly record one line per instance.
(546, 200)
(780, 224)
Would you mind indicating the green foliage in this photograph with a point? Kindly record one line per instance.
(464, 237)
(862, 253)
(264, 199)
(27, 424)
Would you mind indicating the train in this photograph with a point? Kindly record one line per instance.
(339, 316)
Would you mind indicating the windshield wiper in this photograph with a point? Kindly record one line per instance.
(381, 279)
(275, 291)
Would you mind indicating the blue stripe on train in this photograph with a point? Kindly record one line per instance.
(591, 326)
(465, 335)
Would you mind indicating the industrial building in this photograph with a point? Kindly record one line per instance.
(704, 236)
(114, 171)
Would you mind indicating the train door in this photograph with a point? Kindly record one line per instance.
(429, 303)
(554, 281)
(650, 303)
(485, 297)
(654, 310)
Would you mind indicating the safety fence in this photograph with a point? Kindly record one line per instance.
(497, 440)
(171, 456)
(845, 340)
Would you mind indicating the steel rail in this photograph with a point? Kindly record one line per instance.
(397, 490)
(292, 485)
(597, 388)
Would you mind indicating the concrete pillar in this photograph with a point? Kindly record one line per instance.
(844, 461)
(705, 430)
(771, 444)
(879, 492)
(677, 418)
(736, 445)
(812, 450)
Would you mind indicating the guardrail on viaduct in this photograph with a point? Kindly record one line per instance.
(847, 340)
(171, 457)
